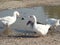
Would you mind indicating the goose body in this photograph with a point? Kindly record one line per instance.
(39, 28)
(9, 20)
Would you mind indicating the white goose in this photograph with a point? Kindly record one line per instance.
(53, 22)
(9, 20)
(39, 28)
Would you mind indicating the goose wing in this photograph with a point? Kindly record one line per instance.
(43, 29)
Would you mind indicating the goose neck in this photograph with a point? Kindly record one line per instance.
(57, 21)
(35, 20)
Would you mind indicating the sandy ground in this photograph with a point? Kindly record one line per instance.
(9, 4)
(52, 38)
(30, 40)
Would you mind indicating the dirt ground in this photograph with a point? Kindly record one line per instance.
(53, 38)
(10, 4)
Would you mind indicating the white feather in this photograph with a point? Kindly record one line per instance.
(39, 28)
(9, 20)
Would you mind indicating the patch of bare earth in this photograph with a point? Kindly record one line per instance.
(9, 4)
(53, 38)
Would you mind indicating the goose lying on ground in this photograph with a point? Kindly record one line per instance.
(9, 20)
(39, 28)
(53, 22)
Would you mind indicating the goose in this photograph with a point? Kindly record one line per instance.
(54, 22)
(40, 29)
(9, 20)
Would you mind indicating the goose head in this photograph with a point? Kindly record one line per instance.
(16, 13)
(33, 18)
